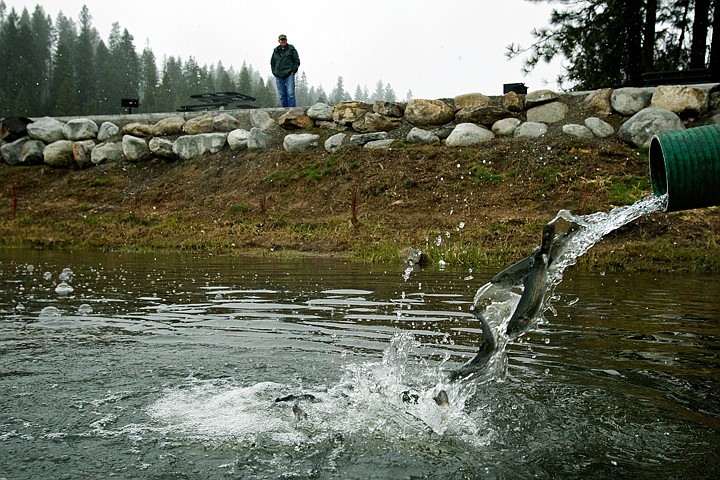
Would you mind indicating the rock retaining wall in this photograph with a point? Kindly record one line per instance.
(634, 115)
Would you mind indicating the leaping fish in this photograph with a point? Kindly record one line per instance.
(530, 272)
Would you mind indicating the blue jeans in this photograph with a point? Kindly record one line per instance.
(286, 90)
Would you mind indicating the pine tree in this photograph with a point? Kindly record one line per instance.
(339, 94)
(610, 43)
(321, 95)
(85, 64)
(62, 92)
(223, 80)
(128, 58)
(245, 81)
(389, 94)
(9, 44)
(148, 94)
(41, 61)
(302, 94)
(360, 95)
(23, 87)
(172, 92)
(105, 78)
(379, 93)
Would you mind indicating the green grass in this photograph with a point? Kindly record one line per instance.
(481, 174)
(102, 181)
(316, 171)
(238, 209)
(628, 190)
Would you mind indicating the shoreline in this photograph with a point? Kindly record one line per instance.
(479, 206)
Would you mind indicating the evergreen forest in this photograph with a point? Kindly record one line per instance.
(63, 68)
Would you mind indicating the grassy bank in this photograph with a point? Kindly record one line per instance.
(481, 206)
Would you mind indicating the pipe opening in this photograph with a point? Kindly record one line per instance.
(658, 174)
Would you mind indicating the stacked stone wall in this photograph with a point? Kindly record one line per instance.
(633, 115)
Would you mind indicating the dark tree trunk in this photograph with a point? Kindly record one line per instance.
(715, 43)
(701, 22)
(648, 48)
(634, 27)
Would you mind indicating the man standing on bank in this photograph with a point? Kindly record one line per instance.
(285, 63)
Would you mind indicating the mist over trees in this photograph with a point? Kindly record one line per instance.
(611, 43)
(64, 68)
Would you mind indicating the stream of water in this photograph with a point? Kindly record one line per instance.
(169, 366)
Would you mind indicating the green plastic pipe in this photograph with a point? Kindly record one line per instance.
(685, 164)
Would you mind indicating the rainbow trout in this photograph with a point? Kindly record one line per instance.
(534, 286)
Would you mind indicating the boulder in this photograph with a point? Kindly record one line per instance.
(82, 153)
(108, 131)
(683, 100)
(161, 147)
(212, 142)
(648, 122)
(259, 138)
(320, 111)
(540, 97)
(192, 146)
(466, 134)
(363, 138)
(80, 129)
(262, 120)
(23, 151)
(295, 119)
(107, 152)
(577, 130)
(14, 128)
(600, 128)
(422, 137)
(506, 127)
(135, 149)
(169, 126)
(345, 113)
(428, 112)
(630, 100)
(335, 142)
(137, 129)
(375, 122)
(238, 139)
(300, 142)
(46, 129)
(598, 102)
(512, 102)
(483, 115)
(225, 122)
(59, 154)
(530, 130)
(552, 112)
(198, 125)
(389, 109)
(469, 100)
(380, 144)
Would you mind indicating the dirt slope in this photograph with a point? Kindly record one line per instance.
(486, 203)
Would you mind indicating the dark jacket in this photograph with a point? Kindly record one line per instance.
(284, 61)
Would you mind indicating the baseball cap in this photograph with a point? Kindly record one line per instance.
(282, 37)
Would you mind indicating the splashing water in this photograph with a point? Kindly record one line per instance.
(385, 399)
(393, 399)
(597, 225)
(498, 301)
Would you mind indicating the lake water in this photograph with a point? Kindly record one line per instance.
(169, 365)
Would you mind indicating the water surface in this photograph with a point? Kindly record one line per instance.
(168, 366)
